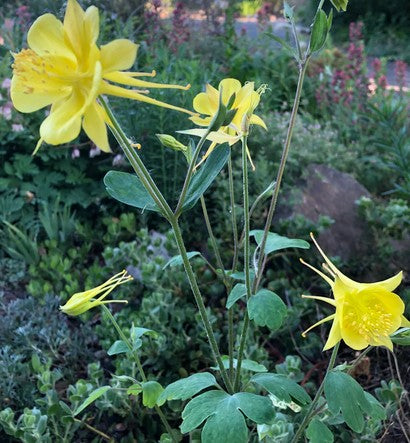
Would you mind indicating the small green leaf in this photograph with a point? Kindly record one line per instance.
(378, 411)
(186, 387)
(224, 421)
(65, 408)
(137, 333)
(248, 365)
(329, 20)
(401, 337)
(276, 242)
(91, 398)
(134, 389)
(241, 275)
(318, 432)
(340, 4)
(118, 347)
(151, 390)
(319, 32)
(177, 259)
(237, 292)
(266, 308)
(282, 387)
(206, 175)
(127, 188)
(344, 394)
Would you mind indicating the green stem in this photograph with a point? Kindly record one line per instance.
(246, 259)
(190, 172)
(213, 239)
(200, 303)
(231, 335)
(95, 430)
(140, 369)
(311, 411)
(285, 153)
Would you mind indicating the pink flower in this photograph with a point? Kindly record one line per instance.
(118, 160)
(383, 81)
(75, 153)
(8, 24)
(6, 83)
(16, 127)
(94, 152)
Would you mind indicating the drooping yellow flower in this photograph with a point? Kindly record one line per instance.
(246, 99)
(84, 301)
(65, 68)
(366, 313)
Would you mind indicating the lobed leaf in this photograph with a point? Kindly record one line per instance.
(276, 242)
(266, 308)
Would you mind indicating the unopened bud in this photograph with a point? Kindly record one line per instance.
(171, 142)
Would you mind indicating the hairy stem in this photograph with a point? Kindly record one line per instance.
(311, 411)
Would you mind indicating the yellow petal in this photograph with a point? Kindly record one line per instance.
(126, 79)
(325, 277)
(328, 318)
(404, 322)
(118, 55)
(203, 104)
(95, 127)
(127, 93)
(229, 86)
(390, 284)
(81, 28)
(353, 339)
(256, 120)
(46, 37)
(24, 101)
(325, 299)
(217, 137)
(201, 121)
(382, 341)
(64, 122)
(335, 335)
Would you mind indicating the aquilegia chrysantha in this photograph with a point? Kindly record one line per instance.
(366, 313)
(66, 69)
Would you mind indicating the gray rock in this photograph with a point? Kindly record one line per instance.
(326, 191)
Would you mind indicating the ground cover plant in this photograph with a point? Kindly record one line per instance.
(210, 338)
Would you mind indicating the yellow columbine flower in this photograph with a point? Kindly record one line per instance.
(366, 313)
(65, 68)
(207, 103)
(83, 301)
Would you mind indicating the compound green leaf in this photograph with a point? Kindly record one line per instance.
(151, 390)
(97, 393)
(186, 387)
(282, 387)
(276, 242)
(318, 432)
(238, 291)
(127, 188)
(225, 422)
(206, 175)
(401, 337)
(266, 308)
(345, 395)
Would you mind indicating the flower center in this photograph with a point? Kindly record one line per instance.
(40, 74)
(368, 318)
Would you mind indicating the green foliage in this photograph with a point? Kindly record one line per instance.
(275, 242)
(266, 308)
(222, 413)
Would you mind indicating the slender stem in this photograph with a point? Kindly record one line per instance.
(213, 239)
(95, 430)
(140, 369)
(285, 153)
(200, 303)
(246, 260)
(190, 172)
(359, 359)
(231, 335)
(136, 162)
(311, 411)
